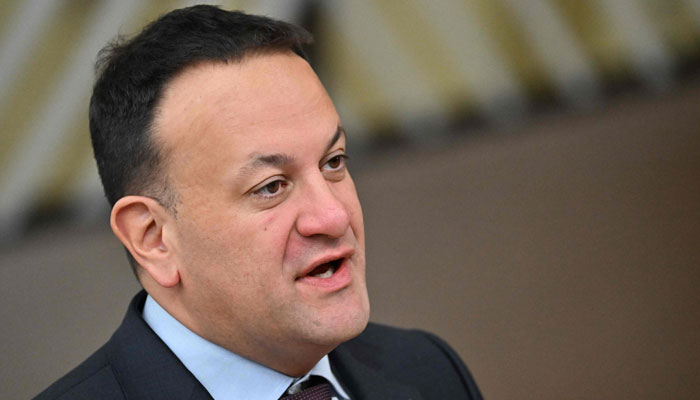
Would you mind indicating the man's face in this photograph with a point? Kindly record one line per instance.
(268, 232)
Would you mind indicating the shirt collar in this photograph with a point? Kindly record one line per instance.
(223, 373)
(323, 368)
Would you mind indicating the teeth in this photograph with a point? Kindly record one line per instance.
(326, 274)
(325, 271)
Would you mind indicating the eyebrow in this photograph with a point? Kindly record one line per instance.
(338, 133)
(264, 160)
(281, 159)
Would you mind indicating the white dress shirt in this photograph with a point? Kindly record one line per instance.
(223, 373)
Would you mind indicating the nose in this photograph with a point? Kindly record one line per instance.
(322, 211)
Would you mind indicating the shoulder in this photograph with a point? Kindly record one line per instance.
(424, 352)
(93, 378)
(413, 357)
(134, 363)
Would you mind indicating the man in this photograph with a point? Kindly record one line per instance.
(225, 163)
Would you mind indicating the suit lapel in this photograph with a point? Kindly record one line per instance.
(358, 369)
(144, 366)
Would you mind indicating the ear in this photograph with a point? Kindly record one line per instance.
(142, 225)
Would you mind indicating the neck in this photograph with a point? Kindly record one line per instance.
(291, 359)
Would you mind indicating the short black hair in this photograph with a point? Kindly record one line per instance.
(133, 73)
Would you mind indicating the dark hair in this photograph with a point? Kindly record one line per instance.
(132, 75)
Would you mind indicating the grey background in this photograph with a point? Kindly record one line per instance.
(560, 262)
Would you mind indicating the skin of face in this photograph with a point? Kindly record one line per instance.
(255, 152)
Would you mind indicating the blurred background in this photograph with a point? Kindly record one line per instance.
(529, 172)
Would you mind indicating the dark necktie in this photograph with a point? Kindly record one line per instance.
(316, 388)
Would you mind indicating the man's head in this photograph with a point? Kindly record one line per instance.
(235, 199)
(133, 74)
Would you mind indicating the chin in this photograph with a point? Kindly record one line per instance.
(347, 325)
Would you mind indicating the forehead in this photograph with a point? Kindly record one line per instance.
(263, 93)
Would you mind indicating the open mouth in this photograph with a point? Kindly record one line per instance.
(326, 270)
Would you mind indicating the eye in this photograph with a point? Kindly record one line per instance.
(270, 189)
(335, 163)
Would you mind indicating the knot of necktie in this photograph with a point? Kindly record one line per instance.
(316, 388)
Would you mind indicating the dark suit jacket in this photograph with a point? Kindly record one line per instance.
(381, 363)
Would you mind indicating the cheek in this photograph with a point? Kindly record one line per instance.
(348, 195)
(269, 233)
(211, 244)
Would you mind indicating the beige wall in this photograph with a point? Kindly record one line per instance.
(560, 259)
